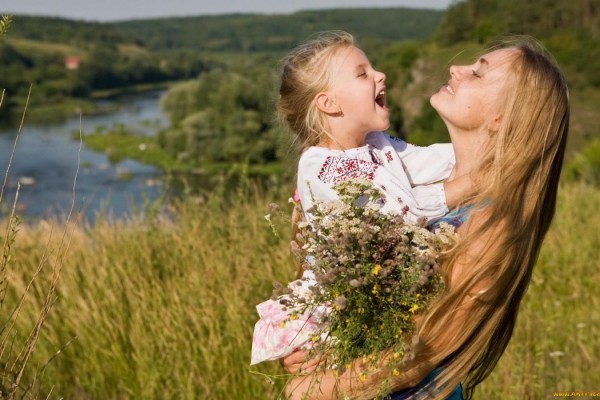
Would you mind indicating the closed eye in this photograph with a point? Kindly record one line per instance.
(363, 75)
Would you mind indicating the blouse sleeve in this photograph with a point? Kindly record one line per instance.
(423, 165)
(424, 202)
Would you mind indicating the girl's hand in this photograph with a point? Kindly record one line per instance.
(296, 363)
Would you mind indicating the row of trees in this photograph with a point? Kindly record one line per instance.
(224, 115)
(259, 33)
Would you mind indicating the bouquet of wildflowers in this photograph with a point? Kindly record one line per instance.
(372, 270)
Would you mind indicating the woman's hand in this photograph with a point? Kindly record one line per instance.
(303, 385)
(297, 363)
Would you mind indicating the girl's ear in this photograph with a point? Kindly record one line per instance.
(326, 104)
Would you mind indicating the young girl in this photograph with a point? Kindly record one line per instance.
(334, 101)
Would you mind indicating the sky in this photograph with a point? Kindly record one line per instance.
(114, 10)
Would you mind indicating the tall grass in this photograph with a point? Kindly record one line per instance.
(556, 345)
(160, 308)
(16, 348)
(163, 307)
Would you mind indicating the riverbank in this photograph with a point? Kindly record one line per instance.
(119, 144)
(61, 109)
(47, 160)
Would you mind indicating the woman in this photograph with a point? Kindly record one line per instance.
(508, 116)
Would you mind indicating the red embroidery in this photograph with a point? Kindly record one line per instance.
(336, 169)
(375, 157)
(388, 155)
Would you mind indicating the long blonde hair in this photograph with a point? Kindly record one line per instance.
(304, 74)
(516, 185)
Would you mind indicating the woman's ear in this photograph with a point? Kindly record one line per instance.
(326, 104)
(494, 125)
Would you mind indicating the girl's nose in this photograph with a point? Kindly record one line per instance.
(380, 76)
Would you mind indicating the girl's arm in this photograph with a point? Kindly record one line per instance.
(423, 165)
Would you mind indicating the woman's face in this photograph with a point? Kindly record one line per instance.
(473, 98)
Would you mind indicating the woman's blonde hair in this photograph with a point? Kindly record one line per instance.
(305, 73)
(516, 187)
(515, 193)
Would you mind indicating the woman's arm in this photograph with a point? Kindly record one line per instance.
(359, 383)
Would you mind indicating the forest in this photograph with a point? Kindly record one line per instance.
(123, 56)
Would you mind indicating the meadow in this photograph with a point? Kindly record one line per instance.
(161, 306)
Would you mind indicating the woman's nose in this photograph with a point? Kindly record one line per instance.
(454, 71)
(458, 71)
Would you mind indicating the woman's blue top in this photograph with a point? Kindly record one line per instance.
(455, 218)
(409, 393)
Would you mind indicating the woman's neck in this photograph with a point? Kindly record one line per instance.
(468, 149)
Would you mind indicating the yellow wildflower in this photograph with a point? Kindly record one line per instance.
(414, 308)
(376, 269)
(375, 289)
(293, 317)
(362, 376)
(282, 324)
(395, 372)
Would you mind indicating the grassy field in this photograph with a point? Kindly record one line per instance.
(162, 307)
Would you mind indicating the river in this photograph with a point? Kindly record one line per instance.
(46, 161)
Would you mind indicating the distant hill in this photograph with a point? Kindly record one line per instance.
(258, 32)
(67, 31)
(235, 32)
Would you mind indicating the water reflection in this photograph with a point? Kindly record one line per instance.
(46, 160)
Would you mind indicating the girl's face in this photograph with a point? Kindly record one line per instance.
(359, 91)
(473, 98)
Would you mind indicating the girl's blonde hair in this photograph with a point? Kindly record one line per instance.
(305, 73)
(516, 187)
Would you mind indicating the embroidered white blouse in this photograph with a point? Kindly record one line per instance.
(407, 175)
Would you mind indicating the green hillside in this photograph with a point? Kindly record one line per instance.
(247, 33)
(232, 32)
